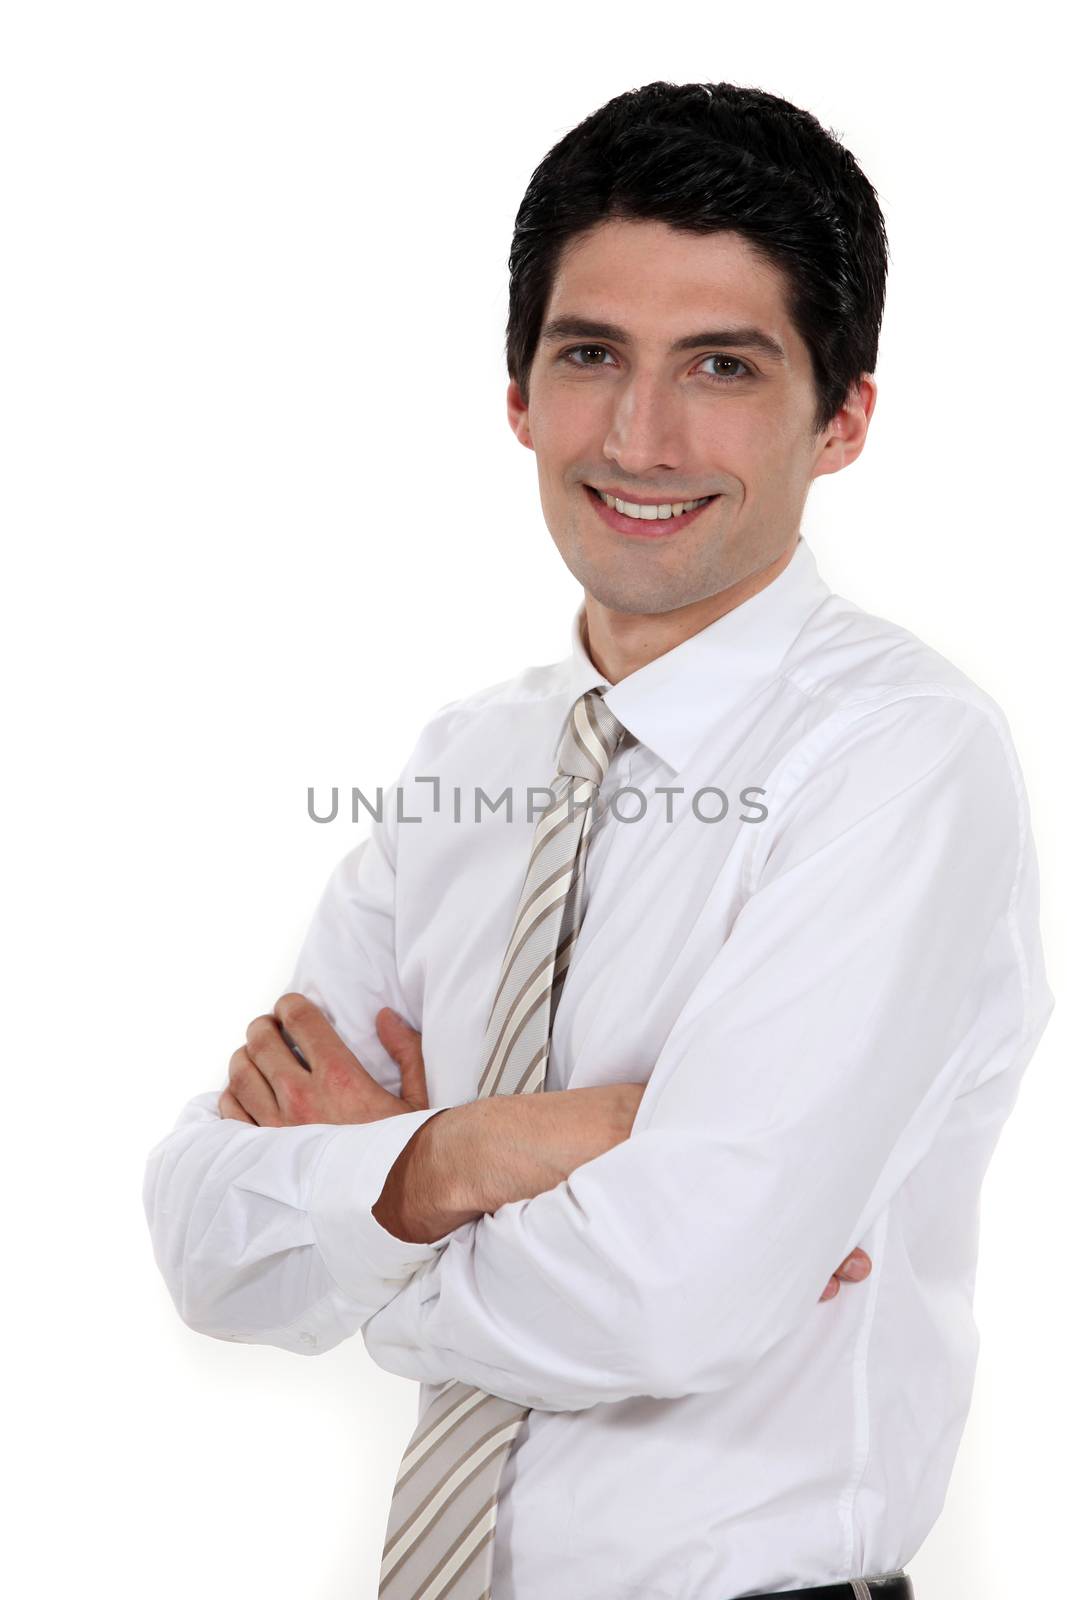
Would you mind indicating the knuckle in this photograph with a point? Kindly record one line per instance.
(259, 1032)
(292, 1007)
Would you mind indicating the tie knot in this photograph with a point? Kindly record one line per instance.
(590, 739)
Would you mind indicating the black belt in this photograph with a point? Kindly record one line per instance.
(890, 1586)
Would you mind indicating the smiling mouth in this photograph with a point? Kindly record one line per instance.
(646, 521)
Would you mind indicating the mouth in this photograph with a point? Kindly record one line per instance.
(645, 521)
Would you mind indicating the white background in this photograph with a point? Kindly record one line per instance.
(265, 515)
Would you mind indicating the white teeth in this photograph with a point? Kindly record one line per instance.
(652, 513)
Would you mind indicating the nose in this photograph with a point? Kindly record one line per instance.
(645, 434)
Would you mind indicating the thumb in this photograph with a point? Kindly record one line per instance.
(404, 1044)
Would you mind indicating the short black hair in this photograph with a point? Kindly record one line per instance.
(709, 158)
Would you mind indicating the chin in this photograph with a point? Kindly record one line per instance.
(641, 599)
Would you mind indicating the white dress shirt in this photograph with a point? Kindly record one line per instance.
(832, 1005)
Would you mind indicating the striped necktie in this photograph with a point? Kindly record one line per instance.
(439, 1538)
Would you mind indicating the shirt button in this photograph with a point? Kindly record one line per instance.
(307, 1338)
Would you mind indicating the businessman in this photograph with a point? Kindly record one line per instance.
(703, 981)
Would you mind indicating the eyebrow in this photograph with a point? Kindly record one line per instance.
(736, 338)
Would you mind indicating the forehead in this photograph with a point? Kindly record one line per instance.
(659, 282)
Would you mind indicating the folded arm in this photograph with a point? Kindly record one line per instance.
(805, 1077)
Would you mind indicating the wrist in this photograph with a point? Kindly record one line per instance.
(422, 1198)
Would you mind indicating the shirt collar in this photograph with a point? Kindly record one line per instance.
(671, 703)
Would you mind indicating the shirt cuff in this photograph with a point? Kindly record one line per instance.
(359, 1253)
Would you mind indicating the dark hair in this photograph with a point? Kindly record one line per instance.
(706, 158)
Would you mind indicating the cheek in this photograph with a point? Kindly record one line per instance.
(569, 424)
(757, 449)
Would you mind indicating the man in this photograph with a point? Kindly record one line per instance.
(573, 1114)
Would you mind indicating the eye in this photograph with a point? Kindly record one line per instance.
(734, 361)
(583, 349)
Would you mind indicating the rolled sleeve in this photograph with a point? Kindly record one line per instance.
(359, 1254)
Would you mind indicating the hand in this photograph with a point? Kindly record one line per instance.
(272, 1087)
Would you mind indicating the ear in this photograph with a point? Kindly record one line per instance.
(519, 415)
(847, 433)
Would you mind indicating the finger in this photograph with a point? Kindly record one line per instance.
(252, 1091)
(404, 1044)
(270, 1053)
(855, 1267)
(317, 1040)
(230, 1107)
(831, 1289)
